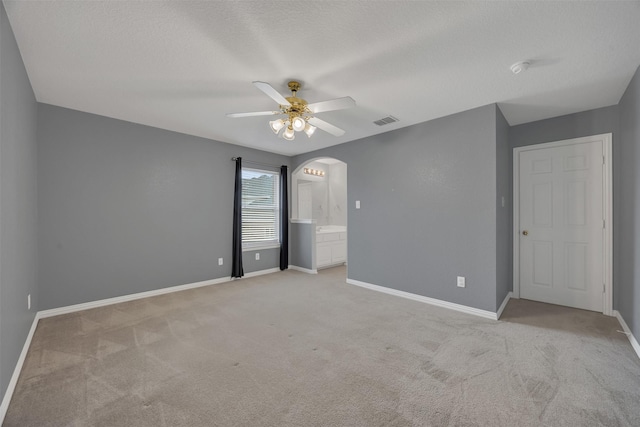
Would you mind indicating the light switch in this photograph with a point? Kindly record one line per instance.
(357, 204)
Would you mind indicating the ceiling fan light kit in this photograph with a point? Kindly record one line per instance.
(298, 124)
(299, 114)
(309, 130)
(289, 134)
(276, 125)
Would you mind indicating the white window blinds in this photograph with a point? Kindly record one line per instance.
(260, 208)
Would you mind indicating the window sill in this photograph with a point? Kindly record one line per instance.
(259, 248)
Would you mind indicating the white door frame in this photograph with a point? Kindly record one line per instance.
(607, 211)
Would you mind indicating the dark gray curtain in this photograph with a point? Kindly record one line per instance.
(236, 259)
(284, 220)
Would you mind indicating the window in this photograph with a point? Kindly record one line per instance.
(260, 208)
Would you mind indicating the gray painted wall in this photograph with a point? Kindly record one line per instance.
(627, 244)
(18, 203)
(504, 214)
(301, 237)
(126, 208)
(428, 195)
(586, 123)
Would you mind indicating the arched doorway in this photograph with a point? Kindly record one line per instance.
(319, 213)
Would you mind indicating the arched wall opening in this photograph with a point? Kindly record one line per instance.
(318, 231)
(319, 192)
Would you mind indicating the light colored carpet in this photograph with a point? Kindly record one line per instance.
(290, 349)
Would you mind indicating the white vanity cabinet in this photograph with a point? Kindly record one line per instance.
(331, 249)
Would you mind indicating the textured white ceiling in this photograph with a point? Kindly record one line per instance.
(181, 65)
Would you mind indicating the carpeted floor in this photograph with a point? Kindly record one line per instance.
(290, 349)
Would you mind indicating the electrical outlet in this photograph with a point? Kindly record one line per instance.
(257, 256)
(357, 204)
(220, 261)
(461, 282)
(29, 302)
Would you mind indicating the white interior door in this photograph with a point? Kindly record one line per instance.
(561, 212)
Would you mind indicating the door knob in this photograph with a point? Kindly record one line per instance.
(525, 233)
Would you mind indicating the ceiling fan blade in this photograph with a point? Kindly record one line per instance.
(255, 113)
(327, 127)
(272, 93)
(332, 105)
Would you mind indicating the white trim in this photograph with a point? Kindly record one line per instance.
(432, 301)
(607, 146)
(261, 272)
(304, 270)
(628, 333)
(124, 298)
(259, 247)
(516, 223)
(8, 394)
(302, 221)
(503, 305)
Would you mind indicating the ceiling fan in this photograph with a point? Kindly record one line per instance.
(299, 115)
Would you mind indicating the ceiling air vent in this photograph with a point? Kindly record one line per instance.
(385, 121)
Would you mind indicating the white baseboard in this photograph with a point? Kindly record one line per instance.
(432, 301)
(261, 272)
(8, 394)
(115, 300)
(304, 270)
(503, 305)
(625, 328)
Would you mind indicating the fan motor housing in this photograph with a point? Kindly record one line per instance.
(297, 104)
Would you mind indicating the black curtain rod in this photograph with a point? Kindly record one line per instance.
(256, 163)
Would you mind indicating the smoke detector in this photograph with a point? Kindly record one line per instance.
(519, 67)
